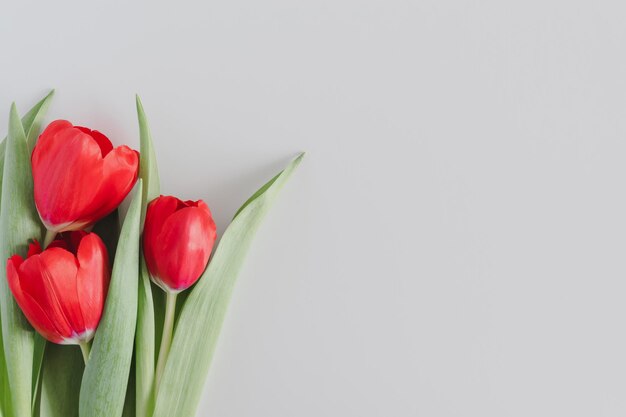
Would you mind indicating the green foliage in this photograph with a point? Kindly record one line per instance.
(19, 222)
(201, 318)
(31, 123)
(103, 389)
(145, 336)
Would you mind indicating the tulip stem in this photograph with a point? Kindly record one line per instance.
(85, 348)
(166, 339)
(50, 235)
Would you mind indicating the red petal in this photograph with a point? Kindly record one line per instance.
(67, 172)
(157, 213)
(184, 246)
(103, 142)
(120, 174)
(33, 311)
(34, 248)
(68, 241)
(58, 243)
(53, 128)
(50, 279)
(203, 206)
(92, 279)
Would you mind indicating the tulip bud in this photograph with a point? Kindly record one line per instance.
(62, 289)
(177, 241)
(78, 177)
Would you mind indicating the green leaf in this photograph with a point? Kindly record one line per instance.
(5, 393)
(203, 313)
(105, 380)
(19, 222)
(60, 381)
(34, 114)
(145, 335)
(31, 123)
(33, 120)
(258, 193)
(148, 170)
(38, 351)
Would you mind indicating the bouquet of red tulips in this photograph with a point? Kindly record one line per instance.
(102, 316)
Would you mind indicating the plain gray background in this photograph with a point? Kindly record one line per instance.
(453, 244)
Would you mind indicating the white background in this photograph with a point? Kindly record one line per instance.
(453, 244)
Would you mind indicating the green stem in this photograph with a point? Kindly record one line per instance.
(50, 235)
(166, 339)
(85, 348)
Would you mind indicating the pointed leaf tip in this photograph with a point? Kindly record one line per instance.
(138, 103)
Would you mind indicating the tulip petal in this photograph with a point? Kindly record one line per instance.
(157, 213)
(34, 248)
(55, 127)
(119, 173)
(46, 278)
(63, 192)
(184, 247)
(40, 320)
(33, 311)
(62, 267)
(103, 142)
(92, 280)
(68, 241)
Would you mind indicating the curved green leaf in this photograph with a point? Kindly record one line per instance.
(257, 193)
(5, 393)
(201, 318)
(145, 335)
(148, 170)
(19, 222)
(31, 122)
(38, 352)
(105, 380)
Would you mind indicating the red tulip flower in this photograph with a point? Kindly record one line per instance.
(78, 177)
(62, 289)
(177, 241)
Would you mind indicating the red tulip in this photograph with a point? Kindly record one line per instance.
(61, 290)
(79, 178)
(177, 241)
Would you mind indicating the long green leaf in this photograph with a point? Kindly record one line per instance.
(144, 339)
(203, 313)
(5, 393)
(19, 222)
(148, 170)
(31, 122)
(60, 381)
(38, 352)
(105, 380)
